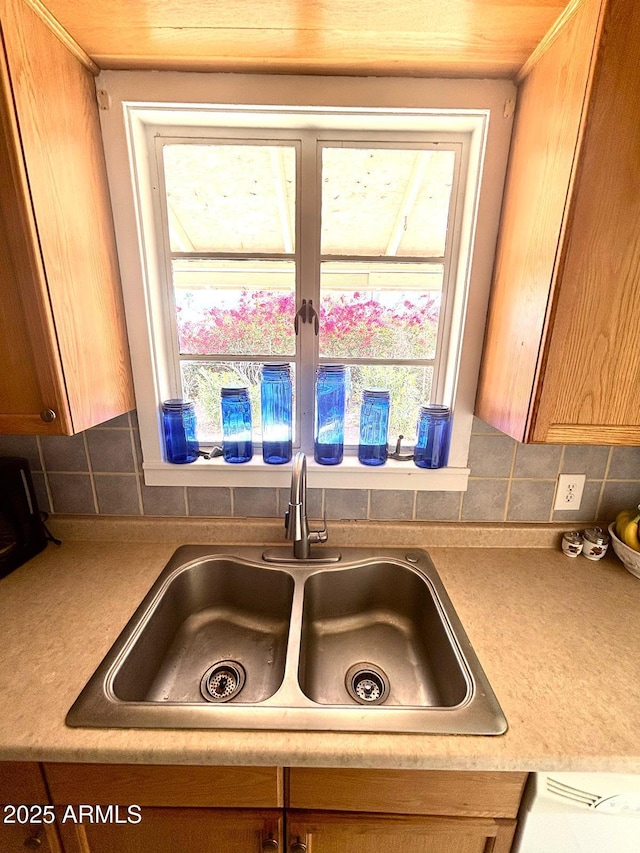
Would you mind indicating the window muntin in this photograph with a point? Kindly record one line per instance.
(236, 278)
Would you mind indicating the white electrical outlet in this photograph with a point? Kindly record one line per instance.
(569, 491)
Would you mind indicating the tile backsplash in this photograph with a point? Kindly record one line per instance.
(100, 472)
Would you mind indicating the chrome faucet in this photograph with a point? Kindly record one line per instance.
(295, 518)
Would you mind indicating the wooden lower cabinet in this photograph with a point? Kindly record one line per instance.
(133, 808)
(336, 832)
(23, 797)
(180, 830)
(168, 809)
(365, 811)
(17, 838)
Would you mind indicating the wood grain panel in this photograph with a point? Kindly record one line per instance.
(593, 370)
(177, 831)
(454, 38)
(423, 792)
(59, 31)
(362, 833)
(221, 787)
(22, 782)
(60, 134)
(20, 390)
(592, 434)
(546, 132)
(32, 377)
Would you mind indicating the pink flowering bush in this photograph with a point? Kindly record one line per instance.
(261, 322)
(352, 325)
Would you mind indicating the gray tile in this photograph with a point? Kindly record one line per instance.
(21, 445)
(211, 501)
(314, 502)
(346, 503)
(121, 422)
(110, 450)
(255, 503)
(537, 461)
(438, 506)
(531, 500)
(137, 448)
(64, 453)
(72, 493)
(484, 500)
(163, 500)
(479, 426)
(588, 505)
(585, 459)
(491, 455)
(617, 496)
(625, 464)
(117, 494)
(42, 496)
(394, 504)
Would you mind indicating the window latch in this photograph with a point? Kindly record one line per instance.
(308, 314)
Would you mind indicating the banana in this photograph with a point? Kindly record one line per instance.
(628, 529)
(622, 519)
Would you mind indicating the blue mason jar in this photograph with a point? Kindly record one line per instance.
(276, 410)
(374, 426)
(434, 433)
(329, 422)
(236, 424)
(179, 427)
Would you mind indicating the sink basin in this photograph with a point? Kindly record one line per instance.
(384, 613)
(207, 618)
(227, 639)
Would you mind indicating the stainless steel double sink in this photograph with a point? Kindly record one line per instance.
(225, 639)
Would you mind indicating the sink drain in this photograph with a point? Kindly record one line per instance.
(222, 681)
(367, 684)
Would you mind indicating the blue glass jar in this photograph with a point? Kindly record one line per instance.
(434, 433)
(179, 427)
(329, 423)
(236, 424)
(276, 409)
(374, 426)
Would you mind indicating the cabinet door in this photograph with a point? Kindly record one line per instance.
(336, 833)
(179, 830)
(22, 798)
(549, 115)
(74, 319)
(591, 390)
(31, 378)
(17, 838)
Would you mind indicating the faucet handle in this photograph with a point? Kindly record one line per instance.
(320, 535)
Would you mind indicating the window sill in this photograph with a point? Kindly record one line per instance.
(350, 474)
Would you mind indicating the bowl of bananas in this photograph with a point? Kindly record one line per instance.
(625, 539)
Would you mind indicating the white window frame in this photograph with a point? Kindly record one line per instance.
(135, 102)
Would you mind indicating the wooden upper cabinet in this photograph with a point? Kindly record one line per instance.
(561, 360)
(63, 343)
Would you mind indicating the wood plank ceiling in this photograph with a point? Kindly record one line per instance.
(448, 38)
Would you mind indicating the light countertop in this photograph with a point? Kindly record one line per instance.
(557, 638)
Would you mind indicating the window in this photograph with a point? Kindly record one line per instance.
(378, 219)
(244, 214)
